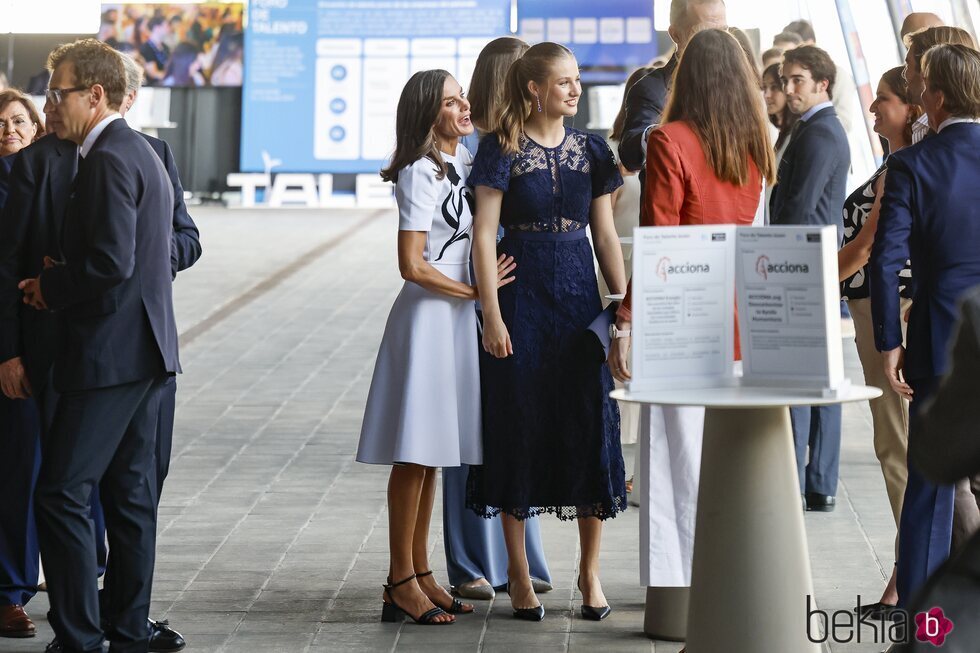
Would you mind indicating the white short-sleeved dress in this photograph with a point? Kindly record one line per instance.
(424, 402)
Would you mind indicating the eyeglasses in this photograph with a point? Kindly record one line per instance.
(56, 95)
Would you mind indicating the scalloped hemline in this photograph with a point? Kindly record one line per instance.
(602, 511)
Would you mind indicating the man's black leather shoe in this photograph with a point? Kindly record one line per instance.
(54, 646)
(879, 611)
(820, 502)
(163, 638)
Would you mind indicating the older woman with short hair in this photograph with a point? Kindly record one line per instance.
(20, 125)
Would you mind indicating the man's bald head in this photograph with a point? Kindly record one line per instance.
(919, 21)
(688, 17)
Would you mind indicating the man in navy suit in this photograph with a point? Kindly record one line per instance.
(930, 213)
(966, 514)
(113, 290)
(811, 190)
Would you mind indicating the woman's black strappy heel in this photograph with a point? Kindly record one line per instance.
(456, 607)
(391, 612)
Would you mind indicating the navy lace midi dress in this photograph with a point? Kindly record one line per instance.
(550, 431)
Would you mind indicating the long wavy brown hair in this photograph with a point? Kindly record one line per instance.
(418, 108)
(535, 65)
(896, 84)
(486, 93)
(717, 93)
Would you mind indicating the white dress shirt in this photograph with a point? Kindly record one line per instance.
(95, 133)
(955, 119)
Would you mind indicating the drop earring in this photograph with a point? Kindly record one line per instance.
(538, 98)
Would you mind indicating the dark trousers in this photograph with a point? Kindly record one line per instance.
(926, 528)
(817, 427)
(22, 424)
(103, 437)
(20, 459)
(165, 430)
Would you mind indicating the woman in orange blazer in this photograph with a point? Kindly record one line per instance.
(705, 165)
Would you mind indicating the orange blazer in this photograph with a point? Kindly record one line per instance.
(682, 189)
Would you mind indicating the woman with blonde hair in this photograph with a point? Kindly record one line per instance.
(476, 556)
(705, 165)
(551, 431)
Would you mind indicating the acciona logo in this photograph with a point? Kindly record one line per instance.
(666, 268)
(764, 267)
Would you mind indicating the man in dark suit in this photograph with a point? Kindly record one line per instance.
(966, 515)
(647, 98)
(113, 290)
(810, 191)
(930, 213)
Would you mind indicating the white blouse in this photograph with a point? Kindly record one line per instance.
(442, 207)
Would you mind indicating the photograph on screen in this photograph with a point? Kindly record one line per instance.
(179, 45)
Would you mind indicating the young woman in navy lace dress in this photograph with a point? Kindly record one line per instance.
(551, 432)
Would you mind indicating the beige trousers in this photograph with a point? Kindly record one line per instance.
(889, 412)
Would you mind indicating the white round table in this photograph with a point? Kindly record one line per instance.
(751, 569)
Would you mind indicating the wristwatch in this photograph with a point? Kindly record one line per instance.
(618, 333)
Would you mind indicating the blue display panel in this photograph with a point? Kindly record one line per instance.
(322, 78)
(616, 34)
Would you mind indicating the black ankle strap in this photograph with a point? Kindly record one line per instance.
(401, 582)
(423, 574)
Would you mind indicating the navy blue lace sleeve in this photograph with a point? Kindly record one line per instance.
(491, 167)
(605, 172)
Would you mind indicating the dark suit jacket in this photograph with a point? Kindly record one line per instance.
(185, 248)
(30, 228)
(645, 102)
(6, 163)
(930, 213)
(811, 181)
(114, 290)
(952, 416)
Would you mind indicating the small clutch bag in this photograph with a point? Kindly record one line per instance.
(598, 332)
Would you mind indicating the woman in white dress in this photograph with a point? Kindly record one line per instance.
(423, 409)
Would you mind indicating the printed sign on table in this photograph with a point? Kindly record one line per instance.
(683, 307)
(789, 307)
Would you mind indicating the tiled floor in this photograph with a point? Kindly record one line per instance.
(272, 539)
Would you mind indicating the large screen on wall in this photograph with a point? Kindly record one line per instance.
(609, 38)
(322, 79)
(179, 45)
